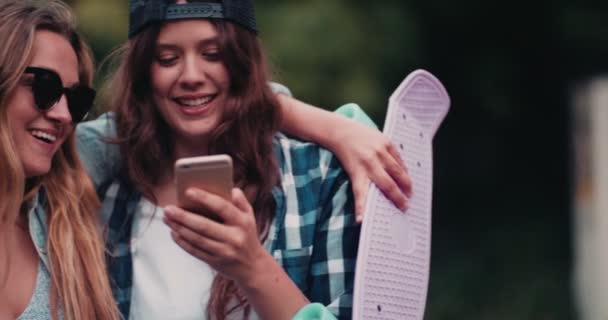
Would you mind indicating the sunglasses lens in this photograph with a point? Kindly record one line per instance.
(47, 89)
(80, 101)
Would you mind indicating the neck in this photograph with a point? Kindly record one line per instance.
(10, 220)
(10, 232)
(185, 148)
(21, 222)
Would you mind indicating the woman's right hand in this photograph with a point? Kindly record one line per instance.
(231, 246)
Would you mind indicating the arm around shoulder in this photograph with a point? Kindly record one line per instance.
(100, 158)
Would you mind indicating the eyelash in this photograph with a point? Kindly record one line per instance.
(213, 56)
(27, 81)
(166, 62)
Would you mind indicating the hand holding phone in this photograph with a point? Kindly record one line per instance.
(210, 173)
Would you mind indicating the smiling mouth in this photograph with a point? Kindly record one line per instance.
(43, 136)
(193, 103)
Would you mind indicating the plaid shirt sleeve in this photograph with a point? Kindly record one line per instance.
(100, 158)
(315, 236)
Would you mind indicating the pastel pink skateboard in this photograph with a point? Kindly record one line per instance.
(392, 275)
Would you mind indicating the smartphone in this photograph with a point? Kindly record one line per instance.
(210, 173)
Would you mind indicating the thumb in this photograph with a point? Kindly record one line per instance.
(360, 187)
(240, 201)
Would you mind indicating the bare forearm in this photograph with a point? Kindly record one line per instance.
(272, 293)
(311, 123)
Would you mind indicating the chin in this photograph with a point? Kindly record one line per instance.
(37, 170)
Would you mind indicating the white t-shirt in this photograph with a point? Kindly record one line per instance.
(168, 283)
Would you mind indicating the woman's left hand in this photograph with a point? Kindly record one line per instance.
(372, 156)
(366, 154)
(231, 246)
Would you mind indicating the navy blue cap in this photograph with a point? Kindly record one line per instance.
(144, 12)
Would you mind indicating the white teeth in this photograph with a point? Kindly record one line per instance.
(43, 135)
(195, 102)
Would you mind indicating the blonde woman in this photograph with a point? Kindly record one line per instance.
(51, 255)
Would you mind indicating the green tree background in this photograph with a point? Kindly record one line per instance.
(501, 220)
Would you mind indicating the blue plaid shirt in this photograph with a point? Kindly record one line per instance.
(314, 236)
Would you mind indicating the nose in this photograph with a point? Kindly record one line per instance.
(60, 112)
(192, 74)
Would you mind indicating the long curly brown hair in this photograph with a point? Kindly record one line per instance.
(248, 123)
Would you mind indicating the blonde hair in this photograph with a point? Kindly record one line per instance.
(79, 280)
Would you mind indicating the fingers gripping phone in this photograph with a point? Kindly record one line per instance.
(210, 173)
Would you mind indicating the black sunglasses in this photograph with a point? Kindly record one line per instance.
(47, 89)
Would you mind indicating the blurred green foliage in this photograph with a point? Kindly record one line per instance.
(304, 40)
(501, 241)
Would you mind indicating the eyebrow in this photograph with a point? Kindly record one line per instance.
(201, 44)
(77, 82)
